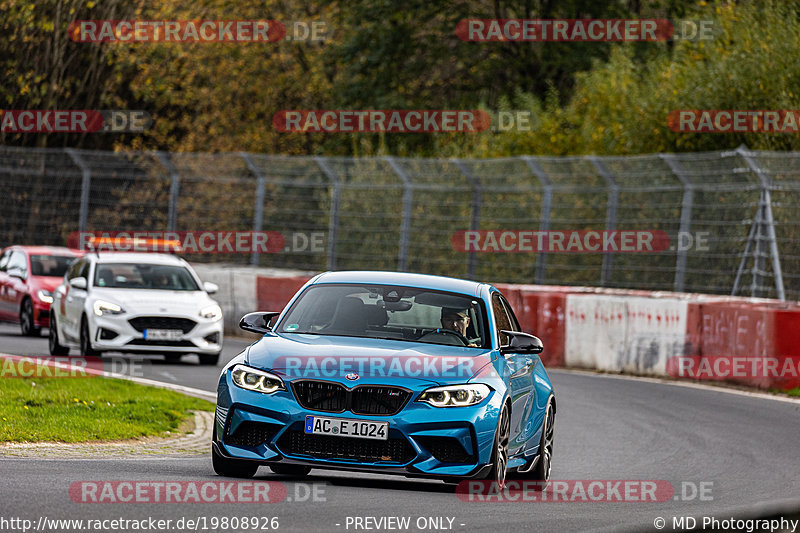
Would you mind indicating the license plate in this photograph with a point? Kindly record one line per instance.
(162, 334)
(347, 427)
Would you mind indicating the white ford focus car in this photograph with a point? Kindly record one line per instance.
(135, 303)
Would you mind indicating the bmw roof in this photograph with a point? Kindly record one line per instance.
(404, 279)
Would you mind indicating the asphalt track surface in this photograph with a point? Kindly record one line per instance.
(742, 448)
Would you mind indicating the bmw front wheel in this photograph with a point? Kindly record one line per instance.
(497, 473)
(541, 472)
(227, 467)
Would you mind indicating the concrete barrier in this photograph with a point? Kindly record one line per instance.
(623, 333)
(615, 330)
(244, 289)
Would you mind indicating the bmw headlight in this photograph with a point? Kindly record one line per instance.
(455, 395)
(44, 296)
(256, 380)
(101, 308)
(213, 312)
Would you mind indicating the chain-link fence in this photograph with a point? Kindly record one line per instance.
(389, 213)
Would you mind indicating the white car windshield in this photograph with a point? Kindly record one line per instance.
(144, 276)
(387, 312)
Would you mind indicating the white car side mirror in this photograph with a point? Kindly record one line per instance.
(78, 283)
(210, 288)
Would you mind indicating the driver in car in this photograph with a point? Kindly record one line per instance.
(456, 320)
(160, 281)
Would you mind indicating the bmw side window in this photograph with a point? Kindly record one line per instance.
(501, 318)
(514, 322)
(4, 260)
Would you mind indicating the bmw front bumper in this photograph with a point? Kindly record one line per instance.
(422, 441)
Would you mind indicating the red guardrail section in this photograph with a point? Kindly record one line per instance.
(741, 329)
(540, 310)
(273, 293)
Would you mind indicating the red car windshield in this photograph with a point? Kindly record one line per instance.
(50, 265)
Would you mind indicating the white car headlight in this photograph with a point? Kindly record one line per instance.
(256, 380)
(102, 307)
(44, 296)
(455, 395)
(213, 312)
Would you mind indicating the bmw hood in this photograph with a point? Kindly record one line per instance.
(346, 359)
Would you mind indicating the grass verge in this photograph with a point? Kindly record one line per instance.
(89, 409)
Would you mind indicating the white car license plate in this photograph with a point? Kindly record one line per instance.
(162, 334)
(346, 427)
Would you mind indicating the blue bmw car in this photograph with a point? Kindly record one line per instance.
(392, 373)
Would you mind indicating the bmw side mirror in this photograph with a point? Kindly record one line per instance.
(78, 283)
(210, 288)
(257, 322)
(521, 343)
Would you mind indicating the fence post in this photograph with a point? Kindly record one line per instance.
(544, 218)
(765, 217)
(258, 208)
(405, 226)
(742, 263)
(686, 218)
(174, 189)
(611, 213)
(477, 202)
(86, 183)
(333, 219)
(758, 255)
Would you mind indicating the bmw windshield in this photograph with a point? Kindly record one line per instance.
(387, 312)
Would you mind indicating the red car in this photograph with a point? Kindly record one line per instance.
(28, 276)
